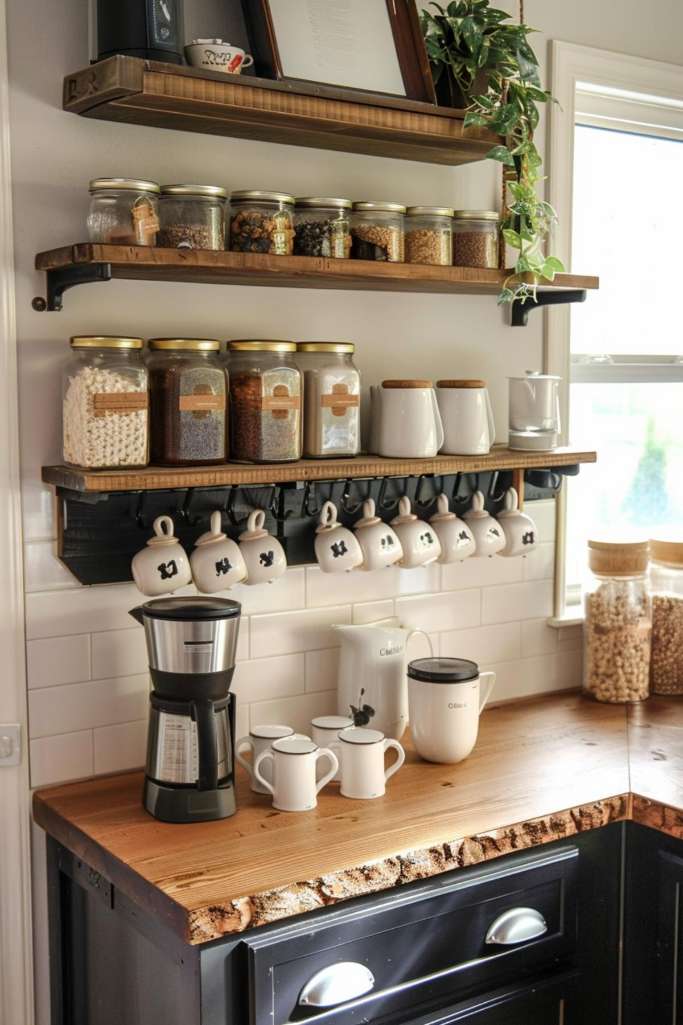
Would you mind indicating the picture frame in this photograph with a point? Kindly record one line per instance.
(375, 48)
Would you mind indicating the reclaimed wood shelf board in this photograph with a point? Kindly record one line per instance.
(199, 265)
(295, 113)
(152, 478)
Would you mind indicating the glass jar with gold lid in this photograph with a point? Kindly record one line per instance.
(265, 401)
(476, 238)
(187, 401)
(123, 211)
(331, 399)
(105, 403)
(192, 217)
(262, 222)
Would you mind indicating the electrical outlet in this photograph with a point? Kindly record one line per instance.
(10, 744)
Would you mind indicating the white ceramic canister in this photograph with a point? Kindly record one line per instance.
(467, 416)
(487, 532)
(361, 755)
(406, 420)
(520, 530)
(260, 739)
(445, 700)
(294, 759)
(217, 561)
(455, 537)
(324, 731)
(336, 547)
(162, 566)
(263, 554)
(378, 541)
(419, 541)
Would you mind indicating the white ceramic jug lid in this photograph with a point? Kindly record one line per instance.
(358, 735)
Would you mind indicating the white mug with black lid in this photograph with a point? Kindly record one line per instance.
(445, 700)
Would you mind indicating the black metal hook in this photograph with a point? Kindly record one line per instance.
(392, 503)
(186, 512)
(352, 508)
(140, 511)
(436, 483)
(306, 509)
(230, 506)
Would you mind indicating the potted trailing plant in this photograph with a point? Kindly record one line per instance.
(482, 61)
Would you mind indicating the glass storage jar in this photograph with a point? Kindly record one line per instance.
(475, 238)
(378, 232)
(105, 403)
(666, 587)
(192, 217)
(429, 235)
(262, 222)
(331, 399)
(123, 211)
(265, 402)
(187, 401)
(322, 227)
(618, 627)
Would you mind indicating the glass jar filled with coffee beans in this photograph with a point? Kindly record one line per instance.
(192, 217)
(476, 238)
(331, 399)
(377, 232)
(262, 222)
(265, 402)
(666, 586)
(322, 227)
(123, 211)
(429, 235)
(187, 401)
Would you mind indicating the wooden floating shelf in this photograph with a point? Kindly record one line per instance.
(154, 478)
(295, 113)
(205, 266)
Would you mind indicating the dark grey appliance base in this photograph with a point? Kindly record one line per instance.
(182, 804)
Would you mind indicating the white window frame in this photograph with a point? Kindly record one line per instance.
(606, 71)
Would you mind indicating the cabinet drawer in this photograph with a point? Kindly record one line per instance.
(543, 1003)
(419, 947)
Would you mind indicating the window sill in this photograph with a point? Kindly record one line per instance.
(571, 617)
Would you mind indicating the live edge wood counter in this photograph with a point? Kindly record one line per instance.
(541, 771)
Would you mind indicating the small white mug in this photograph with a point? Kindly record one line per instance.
(293, 761)
(217, 561)
(520, 530)
(379, 542)
(263, 554)
(162, 566)
(336, 547)
(456, 538)
(361, 754)
(487, 532)
(419, 541)
(325, 730)
(260, 739)
(217, 55)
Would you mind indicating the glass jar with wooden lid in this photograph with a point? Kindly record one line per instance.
(265, 401)
(123, 211)
(618, 627)
(666, 587)
(105, 403)
(262, 222)
(331, 399)
(322, 227)
(187, 401)
(378, 232)
(475, 238)
(192, 217)
(429, 235)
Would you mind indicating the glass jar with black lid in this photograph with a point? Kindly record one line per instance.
(322, 227)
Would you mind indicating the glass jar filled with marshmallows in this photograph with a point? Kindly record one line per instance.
(666, 587)
(331, 399)
(618, 627)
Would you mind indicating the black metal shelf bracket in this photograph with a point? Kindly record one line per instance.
(62, 278)
(522, 308)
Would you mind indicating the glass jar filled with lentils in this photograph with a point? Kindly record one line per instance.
(322, 227)
(187, 401)
(378, 232)
(476, 238)
(429, 235)
(123, 212)
(331, 399)
(192, 217)
(666, 585)
(262, 222)
(265, 402)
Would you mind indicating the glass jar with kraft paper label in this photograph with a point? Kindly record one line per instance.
(331, 399)
(187, 402)
(105, 403)
(123, 211)
(265, 402)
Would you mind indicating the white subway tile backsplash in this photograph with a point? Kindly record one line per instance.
(119, 653)
(80, 706)
(570, 638)
(82, 610)
(120, 748)
(483, 643)
(306, 630)
(287, 593)
(372, 612)
(437, 613)
(358, 586)
(295, 712)
(37, 507)
(540, 564)
(517, 601)
(58, 660)
(43, 571)
(322, 668)
(241, 719)
(543, 515)
(481, 572)
(263, 679)
(61, 759)
(538, 638)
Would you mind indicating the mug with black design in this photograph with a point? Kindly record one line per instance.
(263, 554)
(336, 547)
(217, 562)
(162, 566)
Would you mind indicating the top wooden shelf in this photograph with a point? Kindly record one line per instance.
(295, 113)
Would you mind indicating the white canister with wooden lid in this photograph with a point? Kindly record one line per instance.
(467, 416)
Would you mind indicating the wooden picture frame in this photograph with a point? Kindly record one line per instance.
(413, 63)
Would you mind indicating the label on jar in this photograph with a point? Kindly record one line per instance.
(119, 402)
(282, 234)
(280, 402)
(202, 402)
(339, 400)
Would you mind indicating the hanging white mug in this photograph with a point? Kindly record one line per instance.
(361, 754)
(456, 538)
(162, 566)
(217, 561)
(259, 740)
(294, 760)
(419, 541)
(487, 532)
(263, 554)
(520, 530)
(378, 541)
(336, 547)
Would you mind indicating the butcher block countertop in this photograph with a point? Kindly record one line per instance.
(541, 771)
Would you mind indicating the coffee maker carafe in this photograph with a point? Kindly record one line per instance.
(191, 644)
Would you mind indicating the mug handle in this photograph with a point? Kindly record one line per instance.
(248, 61)
(257, 765)
(326, 752)
(421, 633)
(249, 766)
(438, 422)
(399, 761)
(491, 684)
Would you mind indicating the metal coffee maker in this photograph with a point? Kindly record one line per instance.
(191, 644)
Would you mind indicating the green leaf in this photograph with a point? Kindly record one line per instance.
(476, 120)
(551, 267)
(512, 238)
(501, 153)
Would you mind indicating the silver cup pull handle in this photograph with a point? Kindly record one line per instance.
(336, 984)
(519, 925)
